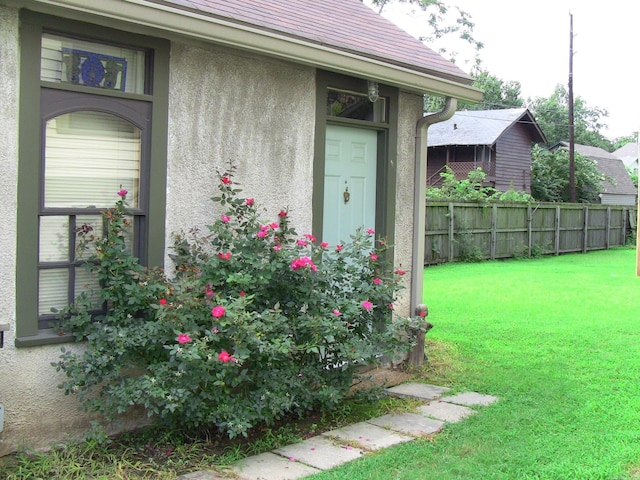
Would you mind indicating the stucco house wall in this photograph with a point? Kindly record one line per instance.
(225, 104)
(222, 105)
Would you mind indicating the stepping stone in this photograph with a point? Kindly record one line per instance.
(471, 399)
(421, 391)
(445, 411)
(319, 452)
(269, 466)
(408, 423)
(368, 436)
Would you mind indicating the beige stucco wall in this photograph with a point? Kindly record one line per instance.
(410, 109)
(255, 112)
(222, 107)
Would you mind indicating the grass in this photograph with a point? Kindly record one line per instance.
(556, 338)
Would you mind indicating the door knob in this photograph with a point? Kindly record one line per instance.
(346, 194)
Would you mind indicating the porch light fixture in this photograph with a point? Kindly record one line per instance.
(372, 90)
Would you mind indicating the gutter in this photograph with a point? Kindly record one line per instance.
(419, 201)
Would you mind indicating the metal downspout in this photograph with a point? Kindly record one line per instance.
(419, 203)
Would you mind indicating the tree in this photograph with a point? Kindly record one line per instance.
(622, 141)
(552, 114)
(498, 93)
(550, 176)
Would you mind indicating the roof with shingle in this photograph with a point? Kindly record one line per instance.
(348, 25)
(481, 127)
(610, 166)
(628, 154)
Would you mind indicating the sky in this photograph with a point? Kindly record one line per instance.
(528, 42)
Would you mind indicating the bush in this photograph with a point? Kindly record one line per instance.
(256, 323)
(471, 189)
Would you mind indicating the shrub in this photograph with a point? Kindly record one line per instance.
(256, 322)
(471, 189)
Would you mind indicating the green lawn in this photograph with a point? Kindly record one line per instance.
(558, 340)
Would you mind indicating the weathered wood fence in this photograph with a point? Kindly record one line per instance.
(469, 231)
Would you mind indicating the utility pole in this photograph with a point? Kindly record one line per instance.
(572, 155)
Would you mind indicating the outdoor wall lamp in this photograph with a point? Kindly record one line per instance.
(372, 90)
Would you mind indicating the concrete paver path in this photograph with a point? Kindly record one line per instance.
(345, 444)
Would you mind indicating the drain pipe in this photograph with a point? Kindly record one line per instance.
(419, 209)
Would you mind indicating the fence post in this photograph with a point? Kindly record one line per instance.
(451, 232)
(529, 229)
(608, 241)
(494, 233)
(557, 232)
(585, 229)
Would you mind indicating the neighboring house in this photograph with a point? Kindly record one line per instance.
(618, 188)
(157, 98)
(498, 141)
(629, 156)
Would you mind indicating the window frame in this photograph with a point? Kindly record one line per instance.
(30, 164)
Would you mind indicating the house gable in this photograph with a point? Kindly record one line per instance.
(498, 141)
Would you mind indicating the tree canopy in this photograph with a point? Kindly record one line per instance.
(552, 114)
(550, 176)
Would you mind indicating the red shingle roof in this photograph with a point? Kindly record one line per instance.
(346, 25)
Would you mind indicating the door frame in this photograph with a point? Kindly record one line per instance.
(387, 148)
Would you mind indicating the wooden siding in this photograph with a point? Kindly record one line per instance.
(455, 230)
(513, 160)
(616, 199)
(462, 159)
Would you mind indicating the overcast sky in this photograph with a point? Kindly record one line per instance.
(529, 42)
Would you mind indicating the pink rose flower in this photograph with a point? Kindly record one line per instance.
(337, 312)
(261, 234)
(242, 294)
(225, 180)
(276, 248)
(218, 311)
(224, 256)
(250, 201)
(370, 231)
(225, 357)
(339, 248)
(367, 305)
(274, 225)
(324, 244)
(183, 338)
(162, 301)
(122, 193)
(310, 237)
(377, 281)
(302, 243)
(303, 262)
(400, 272)
(225, 218)
(373, 256)
(282, 214)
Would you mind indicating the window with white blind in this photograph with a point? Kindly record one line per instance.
(92, 120)
(88, 157)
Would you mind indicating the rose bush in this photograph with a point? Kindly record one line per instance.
(255, 323)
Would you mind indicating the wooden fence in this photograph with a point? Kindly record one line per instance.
(469, 231)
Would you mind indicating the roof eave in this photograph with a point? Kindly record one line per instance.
(184, 22)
